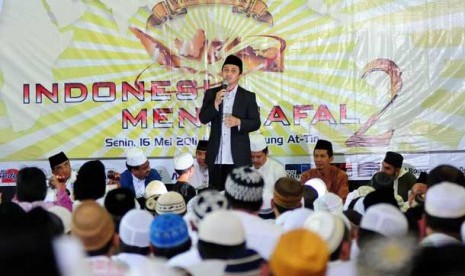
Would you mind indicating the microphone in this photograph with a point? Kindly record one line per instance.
(224, 84)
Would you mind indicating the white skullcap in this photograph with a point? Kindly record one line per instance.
(293, 219)
(134, 229)
(135, 157)
(183, 161)
(221, 227)
(329, 202)
(257, 142)
(385, 219)
(445, 200)
(319, 185)
(155, 187)
(328, 226)
(64, 214)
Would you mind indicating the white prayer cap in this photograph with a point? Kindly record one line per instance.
(293, 219)
(221, 227)
(319, 185)
(64, 214)
(155, 187)
(385, 219)
(445, 200)
(329, 202)
(134, 229)
(328, 226)
(257, 142)
(135, 157)
(183, 161)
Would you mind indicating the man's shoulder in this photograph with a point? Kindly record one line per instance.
(241, 89)
(125, 177)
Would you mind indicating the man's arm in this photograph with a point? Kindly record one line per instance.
(252, 121)
(208, 110)
(342, 188)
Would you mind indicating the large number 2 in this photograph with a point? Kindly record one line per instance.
(359, 138)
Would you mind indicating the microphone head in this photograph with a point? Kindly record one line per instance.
(224, 84)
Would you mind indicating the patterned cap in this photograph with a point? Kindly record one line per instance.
(245, 184)
(92, 224)
(168, 231)
(171, 202)
(207, 202)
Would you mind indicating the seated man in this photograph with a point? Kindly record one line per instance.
(403, 179)
(138, 175)
(336, 180)
(200, 178)
(61, 172)
(270, 170)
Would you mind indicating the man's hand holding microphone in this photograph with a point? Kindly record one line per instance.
(229, 120)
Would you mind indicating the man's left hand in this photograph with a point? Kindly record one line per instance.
(232, 121)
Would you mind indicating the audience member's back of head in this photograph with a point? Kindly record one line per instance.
(118, 202)
(11, 214)
(446, 260)
(90, 181)
(25, 246)
(31, 184)
(310, 195)
(386, 256)
(447, 173)
(382, 181)
(39, 217)
(169, 235)
(299, 252)
(244, 189)
(221, 235)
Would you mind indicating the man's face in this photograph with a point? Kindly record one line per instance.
(143, 171)
(231, 73)
(390, 170)
(417, 190)
(200, 156)
(63, 170)
(322, 159)
(258, 158)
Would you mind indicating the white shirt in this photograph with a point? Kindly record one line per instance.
(271, 171)
(51, 195)
(186, 259)
(200, 177)
(261, 235)
(132, 260)
(346, 268)
(139, 186)
(438, 239)
(224, 154)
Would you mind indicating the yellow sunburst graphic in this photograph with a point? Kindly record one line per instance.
(366, 75)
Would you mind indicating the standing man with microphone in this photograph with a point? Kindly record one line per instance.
(233, 113)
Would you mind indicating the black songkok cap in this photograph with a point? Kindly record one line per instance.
(324, 145)
(234, 60)
(202, 145)
(394, 159)
(57, 159)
